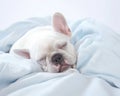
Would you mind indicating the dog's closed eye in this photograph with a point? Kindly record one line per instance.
(41, 59)
(61, 44)
(43, 64)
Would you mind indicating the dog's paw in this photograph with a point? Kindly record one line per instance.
(71, 70)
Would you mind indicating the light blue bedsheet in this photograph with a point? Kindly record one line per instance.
(98, 66)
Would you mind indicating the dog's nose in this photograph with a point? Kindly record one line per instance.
(57, 58)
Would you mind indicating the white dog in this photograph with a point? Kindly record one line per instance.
(50, 48)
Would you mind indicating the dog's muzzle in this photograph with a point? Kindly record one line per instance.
(58, 59)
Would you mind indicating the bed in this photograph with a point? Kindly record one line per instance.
(98, 64)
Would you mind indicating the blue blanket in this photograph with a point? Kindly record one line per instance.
(98, 65)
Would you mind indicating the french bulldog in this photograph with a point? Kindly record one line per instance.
(48, 46)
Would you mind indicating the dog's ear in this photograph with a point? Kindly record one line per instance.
(60, 24)
(23, 53)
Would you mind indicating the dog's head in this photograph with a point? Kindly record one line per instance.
(52, 49)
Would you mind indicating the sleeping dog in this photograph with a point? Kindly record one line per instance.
(49, 46)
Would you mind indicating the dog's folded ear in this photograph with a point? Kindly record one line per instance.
(60, 24)
(22, 52)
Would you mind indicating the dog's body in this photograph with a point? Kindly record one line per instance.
(51, 48)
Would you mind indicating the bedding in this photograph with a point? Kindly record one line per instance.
(98, 64)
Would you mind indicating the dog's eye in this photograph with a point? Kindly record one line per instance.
(41, 59)
(63, 45)
(60, 44)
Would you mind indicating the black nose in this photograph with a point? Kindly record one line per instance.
(57, 58)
